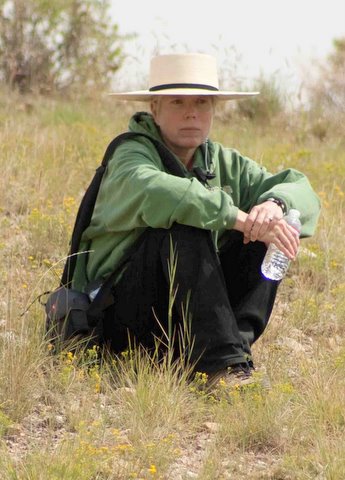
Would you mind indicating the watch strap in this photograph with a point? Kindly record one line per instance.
(278, 202)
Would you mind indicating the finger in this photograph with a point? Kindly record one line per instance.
(261, 226)
(293, 237)
(295, 244)
(284, 237)
(288, 243)
(249, 223)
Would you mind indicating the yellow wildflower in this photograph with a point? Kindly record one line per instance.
(153, 469)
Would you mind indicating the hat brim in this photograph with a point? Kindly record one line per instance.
(146, 95)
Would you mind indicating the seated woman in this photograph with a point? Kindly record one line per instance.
(217, 219)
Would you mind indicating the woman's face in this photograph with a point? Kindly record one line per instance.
(184, 121)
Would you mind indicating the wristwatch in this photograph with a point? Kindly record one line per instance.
(280, 203)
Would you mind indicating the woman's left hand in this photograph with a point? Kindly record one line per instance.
(259, 220)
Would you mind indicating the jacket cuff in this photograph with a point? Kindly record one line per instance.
(230, 221)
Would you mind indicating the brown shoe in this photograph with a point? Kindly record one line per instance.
(237, 375)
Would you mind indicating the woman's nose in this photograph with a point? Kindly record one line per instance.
(190, 111)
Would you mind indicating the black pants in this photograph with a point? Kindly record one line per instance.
(229, 301)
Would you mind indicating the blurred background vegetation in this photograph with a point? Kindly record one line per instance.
(56, 46)
(71, 46)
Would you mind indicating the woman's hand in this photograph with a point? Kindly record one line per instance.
(259, 219)
(283, 236)
(265, 223)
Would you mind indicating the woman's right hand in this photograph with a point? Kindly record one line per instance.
(276, 231)
(283, 236)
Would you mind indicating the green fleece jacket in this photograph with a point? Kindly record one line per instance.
(137, 192)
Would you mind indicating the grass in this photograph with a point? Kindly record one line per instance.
(72, 417)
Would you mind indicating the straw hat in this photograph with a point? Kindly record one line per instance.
(183, 74)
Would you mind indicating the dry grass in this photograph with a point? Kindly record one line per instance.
(71, 418)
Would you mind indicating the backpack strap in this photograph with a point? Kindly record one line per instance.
(87, 204)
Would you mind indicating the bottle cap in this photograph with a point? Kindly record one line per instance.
(294, 212)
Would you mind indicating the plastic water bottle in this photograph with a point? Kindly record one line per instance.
(276, 264)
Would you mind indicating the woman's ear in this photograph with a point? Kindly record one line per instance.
(154, 108)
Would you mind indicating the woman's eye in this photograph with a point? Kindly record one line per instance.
(204, 101)
(204, 104)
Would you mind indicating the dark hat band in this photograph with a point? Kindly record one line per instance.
(168, 86)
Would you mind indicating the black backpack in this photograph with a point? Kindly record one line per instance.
(71, 314)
